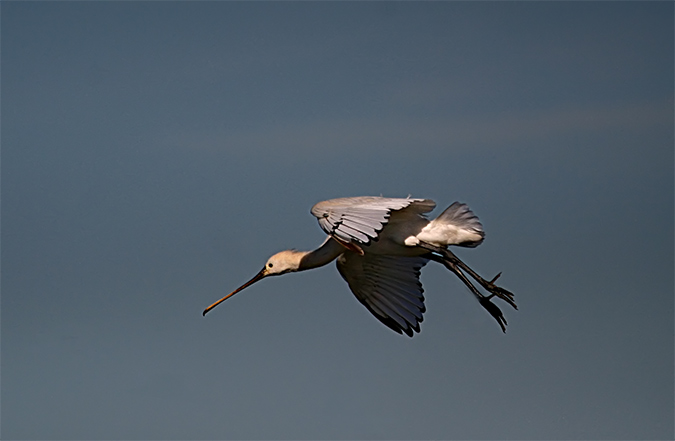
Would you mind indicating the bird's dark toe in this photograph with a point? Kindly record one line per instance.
(494, 312)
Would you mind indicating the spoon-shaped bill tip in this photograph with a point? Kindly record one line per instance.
(255, 278)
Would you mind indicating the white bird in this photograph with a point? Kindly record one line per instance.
(381, 244)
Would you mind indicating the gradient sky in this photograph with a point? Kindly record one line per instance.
(154, 154)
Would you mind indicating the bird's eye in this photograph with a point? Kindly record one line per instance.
(269, 265)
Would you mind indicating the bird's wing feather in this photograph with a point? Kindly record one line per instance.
(388, 286)
(360, 219)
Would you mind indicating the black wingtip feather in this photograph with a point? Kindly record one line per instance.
(391, 323)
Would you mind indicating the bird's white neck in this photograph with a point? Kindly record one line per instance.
(323, 255)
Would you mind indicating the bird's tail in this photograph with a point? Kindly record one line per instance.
(460, 226)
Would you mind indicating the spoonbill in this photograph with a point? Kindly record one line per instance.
(380, 245)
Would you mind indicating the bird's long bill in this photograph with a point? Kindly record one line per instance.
(255, 278)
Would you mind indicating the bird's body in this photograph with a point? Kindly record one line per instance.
(377, 225)
(380, 245)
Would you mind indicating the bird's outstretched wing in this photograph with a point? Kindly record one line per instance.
(360, 219)
(388, 286)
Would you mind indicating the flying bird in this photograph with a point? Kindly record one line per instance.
(380, 245)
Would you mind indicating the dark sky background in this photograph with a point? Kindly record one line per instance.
(154, 154)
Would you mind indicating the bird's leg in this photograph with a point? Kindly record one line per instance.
(484, 301)
(495, 290)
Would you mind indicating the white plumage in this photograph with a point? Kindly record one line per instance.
(381, 244)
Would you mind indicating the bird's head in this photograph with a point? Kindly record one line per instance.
(280, 263)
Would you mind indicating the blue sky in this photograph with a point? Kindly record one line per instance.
(154, 154)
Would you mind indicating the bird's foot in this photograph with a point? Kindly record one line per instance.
(494, 311)
(489, 286)
(498, 291)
